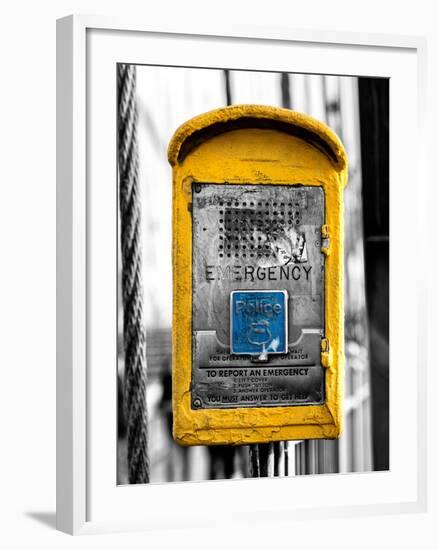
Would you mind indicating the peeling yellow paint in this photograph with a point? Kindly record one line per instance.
(258, 145)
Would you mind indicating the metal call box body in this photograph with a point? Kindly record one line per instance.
(258, 277)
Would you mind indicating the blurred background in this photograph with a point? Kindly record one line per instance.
(357, 109)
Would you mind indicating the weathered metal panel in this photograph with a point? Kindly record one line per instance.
(257, 238)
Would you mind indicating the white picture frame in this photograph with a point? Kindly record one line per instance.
(88, 498)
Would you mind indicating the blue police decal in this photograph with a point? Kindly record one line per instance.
(258, 321)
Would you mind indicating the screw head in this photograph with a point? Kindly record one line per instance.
(196, 402)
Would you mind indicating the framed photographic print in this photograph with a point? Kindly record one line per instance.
(236, 209)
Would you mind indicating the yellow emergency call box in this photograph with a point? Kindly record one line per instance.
(257, 340)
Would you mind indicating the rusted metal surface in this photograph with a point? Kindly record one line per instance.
(258, 238)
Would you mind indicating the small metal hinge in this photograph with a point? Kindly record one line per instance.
(325, 353)
(325, 240)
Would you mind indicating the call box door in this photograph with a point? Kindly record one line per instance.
(258, 295)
